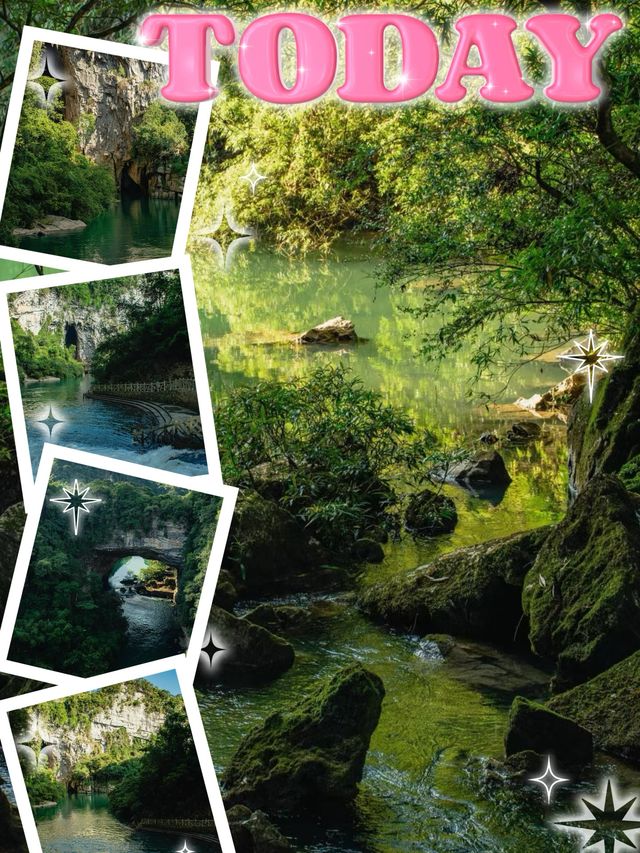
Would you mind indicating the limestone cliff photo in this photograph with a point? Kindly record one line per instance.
(114, 574)
(99, 162)
(108, 366)
(115, 769)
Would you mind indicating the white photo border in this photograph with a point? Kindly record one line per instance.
(204, 485)
(189, 698)
(31, 35)
(101, 273)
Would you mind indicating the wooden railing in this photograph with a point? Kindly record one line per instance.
(146, 387)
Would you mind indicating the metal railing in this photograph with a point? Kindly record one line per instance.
(146, 387)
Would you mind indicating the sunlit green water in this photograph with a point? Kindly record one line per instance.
(417, 793)
(132, 230)
(84, 824)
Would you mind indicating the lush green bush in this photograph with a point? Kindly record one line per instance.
(49, 175)
(159, 136)
(43, 787)
(630, 474)
(165, 782)
(44, 354)
(155, 339)
(339, 449)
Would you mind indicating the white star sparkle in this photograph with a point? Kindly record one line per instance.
(549, 779)
(254, 177)
(591, 357)
(185, 849)
(76, 502)
(51, 421)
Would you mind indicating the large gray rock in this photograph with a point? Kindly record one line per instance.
(334, 331)
(312, 754)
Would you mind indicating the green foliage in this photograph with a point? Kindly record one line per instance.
(49, 176)
(44, 354)
(165, 781)
(205, 511)
(159, 136)
(153, 570)
(155, 339)
(43, 787)
(336, 446)
(630, 474)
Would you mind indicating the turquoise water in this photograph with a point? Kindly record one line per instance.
(96, 426)
(132, 230)
(84, 824)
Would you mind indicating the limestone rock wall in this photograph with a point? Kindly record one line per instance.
(60, 748)
(164, 542)
(52, 309)
(104, 97)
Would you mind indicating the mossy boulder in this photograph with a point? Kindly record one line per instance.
(281, 618)
(11, 527)
(312, 756)
(609, 706)
(368, 550)
(269, 550)
(582, 595)
(251, 654)
(429, 512)
(605, 435)
(474, 592)
(534, 727)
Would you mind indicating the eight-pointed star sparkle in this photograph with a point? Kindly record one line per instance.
(76, 502)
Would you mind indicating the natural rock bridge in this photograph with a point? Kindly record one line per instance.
(165, 542)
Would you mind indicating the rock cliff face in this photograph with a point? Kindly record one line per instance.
(164, 542)
(105, 96)
(80, 325)
(45, 744)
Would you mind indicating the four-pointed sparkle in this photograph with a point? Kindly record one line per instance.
(590, 357)
(51, 421)
(607, 823)
(185, 849)
(211, 650)
(254, 177)
(549, 779)
(76, 502)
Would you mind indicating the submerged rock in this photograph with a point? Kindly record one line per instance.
(609, 706)
(486, 468)
(582, 595)
(523, 431)
(429, 512)
(50, 225)
(334, 331)
(251, 653)
(534, 727)
(312, 756)
(474, 592)
(253, 832)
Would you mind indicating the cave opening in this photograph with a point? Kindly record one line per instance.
(71, 339)
(131, 189)
(134, 575)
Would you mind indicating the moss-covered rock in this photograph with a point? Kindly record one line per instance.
(269, 550)
(429, 512)
(368, 550)
(281, 618)
(582, 596)
(251, 654)
(605, 435)
(312, 756)
(609, 706)
(474, 592)
(533, 727)
(11, 526)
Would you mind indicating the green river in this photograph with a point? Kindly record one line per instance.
(417, 792)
